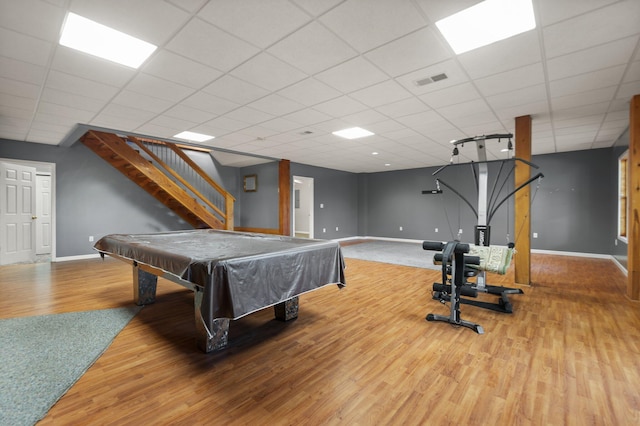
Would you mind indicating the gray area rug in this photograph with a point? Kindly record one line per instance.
(41, 357)
(397, 253)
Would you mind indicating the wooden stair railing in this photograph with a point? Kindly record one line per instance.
(117, 152)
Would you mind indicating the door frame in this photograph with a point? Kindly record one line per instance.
(43, 168)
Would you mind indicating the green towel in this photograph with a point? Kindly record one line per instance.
(493, 258)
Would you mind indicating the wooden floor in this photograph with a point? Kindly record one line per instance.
(364, 355)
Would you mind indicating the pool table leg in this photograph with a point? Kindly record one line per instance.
(287, 310)
(144, 286)
(209, 340)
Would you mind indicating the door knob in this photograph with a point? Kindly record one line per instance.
(34, 217)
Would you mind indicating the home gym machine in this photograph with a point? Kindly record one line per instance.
(454, 261)
(487, 206)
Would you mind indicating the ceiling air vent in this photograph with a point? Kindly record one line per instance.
(429, 80)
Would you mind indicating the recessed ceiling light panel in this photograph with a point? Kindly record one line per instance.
(194, 137)
(353, 133)
(486, 23)
(99, 40)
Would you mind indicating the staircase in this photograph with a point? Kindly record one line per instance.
(147, 163)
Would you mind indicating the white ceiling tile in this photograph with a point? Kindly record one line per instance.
(514, 52)
(235, 90)
(158, 131)
(90, 67)
(188, 5)
(312, 49)
(516, 97)
(593, 59)
(209, 103)
(24, 48)
(464, 109)
(195, 115)
(249, 115)
(72, 100)
(33, 17)
(148, 20)
(268, 72)
(538, 110)
(80, 86)
(309, 92)
(128, 124)
(8, 110)
(127, 112)
(352, 75)
(276, 105)
(226, 124)
(207, 44)
(382, 93)
(585, 98)
(632, 73)
(365, 27)
(20, 103)
(173, 123)
(178, 69)
(280, 125)
(610, 23)
(584, 82)
(519, 78)
(439, 9)
(450, 96)
(159, 88)
(404, 107)
(339, 107)
(552, 11)
(308, 117)
(414, 51)
(365, 117)
(140, 101)
(578, 112)
(315, 7)
(22, 71)
(9, 86)
(64, 111)
(259, 22)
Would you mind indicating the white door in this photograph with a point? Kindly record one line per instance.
(17, 213)
(303, 207)
(43, 214)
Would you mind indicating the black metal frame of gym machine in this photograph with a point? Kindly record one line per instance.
(482, 229)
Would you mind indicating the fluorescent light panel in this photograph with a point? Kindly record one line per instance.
(353, 133)
(486, 23)
(192, 136)
(99, 40)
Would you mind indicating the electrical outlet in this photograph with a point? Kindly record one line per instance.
(337, 228)
(436, 229)
(90, 238)
(321, 206)
(535, 235)
(460, 231)
(324, 229)
(401, 228)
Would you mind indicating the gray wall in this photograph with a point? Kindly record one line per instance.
(337, 191)
(574, 210)
(571, 210)
(259, 209)
(93, 198)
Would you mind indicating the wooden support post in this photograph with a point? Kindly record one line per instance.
(522, 222)
(633, 202)
(284, 189)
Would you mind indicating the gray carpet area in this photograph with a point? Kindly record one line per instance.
(41, 357)
(397, 253)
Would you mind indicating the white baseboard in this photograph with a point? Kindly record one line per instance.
(79, 257)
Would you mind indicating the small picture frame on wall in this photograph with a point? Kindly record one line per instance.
(250, 183)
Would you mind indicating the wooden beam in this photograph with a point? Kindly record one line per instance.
(522, 222)
(284, 190)
(633, 202)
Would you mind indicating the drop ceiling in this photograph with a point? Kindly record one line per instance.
(275, 78)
